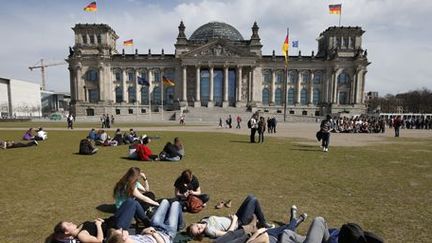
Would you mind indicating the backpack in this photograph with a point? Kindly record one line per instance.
(194, 204)
(249, 124)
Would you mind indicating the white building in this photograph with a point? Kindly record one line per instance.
(19, 98)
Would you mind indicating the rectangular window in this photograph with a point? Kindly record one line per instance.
(291, 112)
(92, 39)
(93, 95)
(117, 111)
(118, 76)
(84, 39)
(130, 111)
(99, 39)
(131, 77)
(143, 111)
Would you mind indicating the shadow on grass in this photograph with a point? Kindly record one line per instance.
(106, 208)
(303, 147)
(239, 141)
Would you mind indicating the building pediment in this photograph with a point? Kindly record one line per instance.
(217, 49)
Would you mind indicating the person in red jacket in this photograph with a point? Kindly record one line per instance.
(144, 152)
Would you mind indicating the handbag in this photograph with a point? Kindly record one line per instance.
(194, 204)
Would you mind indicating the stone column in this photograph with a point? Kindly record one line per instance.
(298, 87)
(162, 86)
(80, 84)
(251, 83)
(197, 102)
(273, 88)
(184, 95)
(210, 102)
(151, 87)
(335, 87)
(137, 89)
(124, 86)
(239, 102)
(101, 83)
(311, 87)
(225, 88)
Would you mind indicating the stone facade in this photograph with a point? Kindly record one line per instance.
(216, 67)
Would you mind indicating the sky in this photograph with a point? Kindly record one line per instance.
(398, 36)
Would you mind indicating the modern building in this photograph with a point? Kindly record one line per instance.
(19, 99)
(53, 102)
(216, 66)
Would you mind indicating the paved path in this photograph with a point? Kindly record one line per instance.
(304, 133)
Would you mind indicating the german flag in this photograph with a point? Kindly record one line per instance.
(128, 42)
(285, 47)
(335, 8)
(167, 81)
(91, 7)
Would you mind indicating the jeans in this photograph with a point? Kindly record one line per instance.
(249, 207)
(260, 137)
(396, 131)
(167, 218)
(252, 135)
(127, 211)
(276, 232)
(325, 139)
(317, 233)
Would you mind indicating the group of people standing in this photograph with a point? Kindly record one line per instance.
(258, 124)
(106, 121)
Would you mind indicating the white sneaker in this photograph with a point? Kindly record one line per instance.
(326, 149)
(4, 145)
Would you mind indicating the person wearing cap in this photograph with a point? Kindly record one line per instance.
(325, 129)
(144, 153)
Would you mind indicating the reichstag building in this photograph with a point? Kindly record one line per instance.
(216, 67)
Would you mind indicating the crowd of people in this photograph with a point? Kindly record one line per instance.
(162, 219)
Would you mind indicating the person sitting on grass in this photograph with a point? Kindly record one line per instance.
(93, 135)
(131, 136)
(104, 139)
(12, 144)
(28, 135)
(87, 147)
(165, 223)
(186, 185)
(173, 151)
(41, 134)
(118, 136)
(217, 226)
(96, 231)
(130, 187)
(144, 153)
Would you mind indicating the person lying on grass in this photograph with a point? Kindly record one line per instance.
(216, 226)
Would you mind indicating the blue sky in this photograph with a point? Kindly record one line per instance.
(398, 36)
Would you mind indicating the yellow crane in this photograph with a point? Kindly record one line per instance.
(42, 67)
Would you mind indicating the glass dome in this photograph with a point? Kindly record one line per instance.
(216, 30)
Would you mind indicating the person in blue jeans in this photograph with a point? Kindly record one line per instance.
(216, 226)
(164, 226)
(96, 231)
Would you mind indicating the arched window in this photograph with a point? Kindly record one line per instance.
(278, 96)
(343, 79)
(265, 96)
(156, 97)
(280, 77)
(156, 76)
(92, 75)
(118, 76)
(119, 94)
(317, 78)
(292, 75)
(343, 97)
(316, 96)
(303, 96)
(131, 76)
(144, 95)
(218, 87)
(291, 94)
(132, 94)
(267, 77)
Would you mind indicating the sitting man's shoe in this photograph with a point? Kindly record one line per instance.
(35, 142)
(301, 218)
(268, 225)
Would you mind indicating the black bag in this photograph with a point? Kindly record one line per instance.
(249, 124)
(163, 155)
(319, 135)
(86, 147)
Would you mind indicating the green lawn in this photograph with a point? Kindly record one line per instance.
(386, 188)
(62, 124)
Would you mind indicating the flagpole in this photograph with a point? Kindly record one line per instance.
(149, 96)
(340, 17)
(286, 80)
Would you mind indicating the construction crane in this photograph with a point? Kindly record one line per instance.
(42, 66)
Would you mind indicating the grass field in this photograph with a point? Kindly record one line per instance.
(386, 188)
